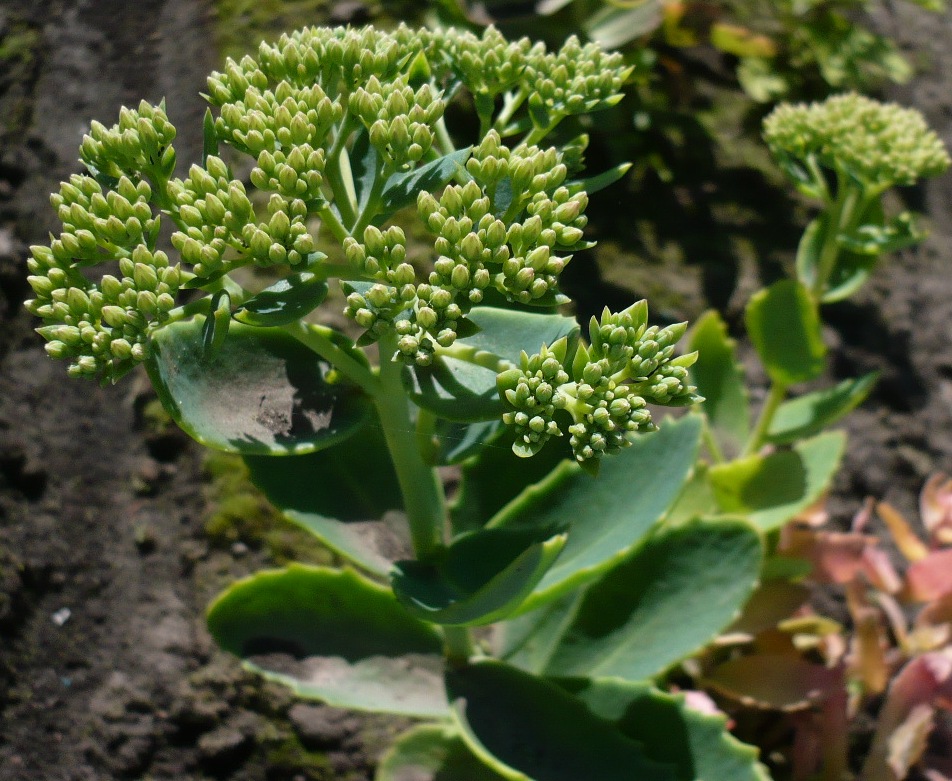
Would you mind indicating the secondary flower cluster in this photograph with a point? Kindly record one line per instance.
(880, 144)
(220, 230)
(102, 328)
(507, 228)
(604, 388)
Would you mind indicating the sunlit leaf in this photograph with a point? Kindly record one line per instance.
(432, 752)
(784, 326)
(324, 493)
(402, 189)
(609, 516)
(529, 728)
(772, 489)
(720, 380)
(286, 301)
(669, 599)
(479, 579)
(333, 636)
(696, 744)
(262, 392)
(809, 414)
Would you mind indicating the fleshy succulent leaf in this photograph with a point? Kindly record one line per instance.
(261, 393)
(333, 636)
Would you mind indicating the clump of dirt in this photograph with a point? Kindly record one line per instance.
(108, 549)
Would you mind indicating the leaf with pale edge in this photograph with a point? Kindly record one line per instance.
(262, 392)
(333, 636)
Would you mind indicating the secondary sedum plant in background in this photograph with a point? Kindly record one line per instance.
(531, 617)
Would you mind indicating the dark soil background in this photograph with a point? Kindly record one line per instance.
(106, 554)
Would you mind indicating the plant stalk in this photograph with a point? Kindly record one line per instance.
(775, 397)
(420, 485)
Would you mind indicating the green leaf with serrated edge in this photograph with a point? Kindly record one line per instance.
(809, 414)
(346, 495)
(608, 516)
(593, 184)
(697, 744)
(772, 489)
(262, 393)
(525, 728)
(333, 636)
(364, 163)
(720, 380)
(432, 752)
(784, 326)
(455, 390)
(402, 189)
(480, 578)
(497, 476)
(668, 600)
(284, 302)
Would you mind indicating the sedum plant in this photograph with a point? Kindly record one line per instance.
(531, 615)
(526, 616)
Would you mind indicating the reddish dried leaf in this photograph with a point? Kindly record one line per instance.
(906, 539)
(770, 604)
(879, 570)
(908, 742)
(937, 612)
(837, 557)
(930, 577)
(935, 507)
(919, 683)
(774, 681)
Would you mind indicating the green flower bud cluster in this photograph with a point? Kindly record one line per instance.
(97, 224)
(337, 58)
(576, 79)
(140, 142)
(263, 120)
(221, 231)
(423, 315)
(101, 329)
(489, 65)
(880, 144)
(533, 392)
(605, 388)
(298, 173)
(506, 227)
(398, 119)
(381, 258)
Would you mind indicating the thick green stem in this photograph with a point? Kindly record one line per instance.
(334, 225)
(775, 397)
(420, 485)
(349, 366)
(510, 106)
(373, 204)
(457, 645)
(335, 173)
(846, 206)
